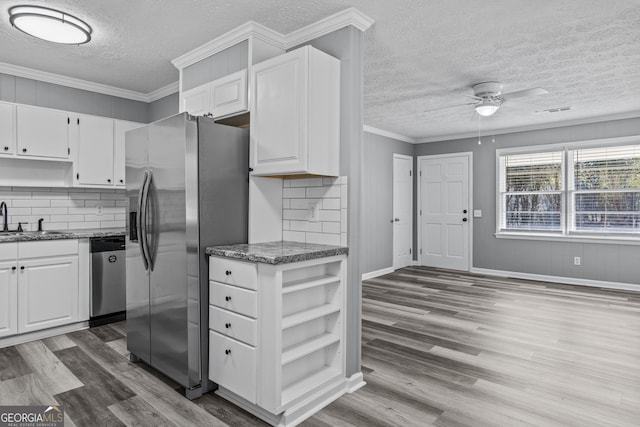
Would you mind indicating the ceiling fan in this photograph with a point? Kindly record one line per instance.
(489, 98)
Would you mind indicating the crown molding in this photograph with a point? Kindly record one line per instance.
(169, 89)
(228, 39)
(392, 135)
(58, 79)
(539, 126)
(350, 16)
(345, 18)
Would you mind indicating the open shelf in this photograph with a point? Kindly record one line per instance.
(299, 285)
(304, 348)
(309, 383)
(307, 315)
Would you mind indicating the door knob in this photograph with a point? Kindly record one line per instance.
(22, 267)
(14, 268)
(24, 150)
(6, 148)
(228, 272)
(227, 325)
(464, 219)
(464, 211)
(227, 298)
(227, 351)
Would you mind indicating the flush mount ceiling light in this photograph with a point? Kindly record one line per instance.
(487, 107)
(50, 24)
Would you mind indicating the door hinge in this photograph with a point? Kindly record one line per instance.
(78, 120)
(410, 173)
(68, 150)
(68, 121)
(77, 176)
(409, 251)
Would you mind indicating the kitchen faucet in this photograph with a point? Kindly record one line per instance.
(3, 212)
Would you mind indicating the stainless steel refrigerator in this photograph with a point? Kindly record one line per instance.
(187, 188)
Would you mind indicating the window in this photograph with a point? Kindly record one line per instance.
(570, 190)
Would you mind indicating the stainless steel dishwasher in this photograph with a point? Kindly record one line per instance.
(108, 283)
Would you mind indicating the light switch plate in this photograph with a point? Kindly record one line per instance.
(477, 213)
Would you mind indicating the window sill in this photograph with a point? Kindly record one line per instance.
(635, 240)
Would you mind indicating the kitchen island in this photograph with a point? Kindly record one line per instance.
(277, 327)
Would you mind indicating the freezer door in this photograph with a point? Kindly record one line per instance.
(175, 308)
(137, 274)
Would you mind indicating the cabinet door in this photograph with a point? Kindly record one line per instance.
(229, 94)
(7, 128)
(278, 137)
(8, 298)
(232, 365)
(95, 151)
(47, 293)
(42, 132)
(196, 101)
(121, 127)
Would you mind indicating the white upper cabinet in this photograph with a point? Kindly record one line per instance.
(7, 128)
(295, 114)
(120, 129)
(222, 97)
(95, 151)
(42, 132)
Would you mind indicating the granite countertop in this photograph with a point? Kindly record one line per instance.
(279, 252)
(64, 234)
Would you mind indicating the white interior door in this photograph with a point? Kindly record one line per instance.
(444, 211)
(402, 210)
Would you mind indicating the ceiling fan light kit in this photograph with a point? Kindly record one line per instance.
(50, 24)
(487, 107)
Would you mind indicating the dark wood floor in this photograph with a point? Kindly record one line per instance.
(439, 348)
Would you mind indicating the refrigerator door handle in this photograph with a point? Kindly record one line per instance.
(140, 221)
(143, 214)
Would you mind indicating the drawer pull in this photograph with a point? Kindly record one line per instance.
(227, 298)
(22, 267)
(227, 325)
(228, 272)
(227, 351)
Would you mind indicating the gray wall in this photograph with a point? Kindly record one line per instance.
(164, 107)
(346, 45)
(377, 200)
(604, 262)
(215, 66)
(42, 94)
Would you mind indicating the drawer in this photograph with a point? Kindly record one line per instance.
(47, 248)
(236, 273)
(8, 251)
(233, 325)
(235, 299)
(232, 365)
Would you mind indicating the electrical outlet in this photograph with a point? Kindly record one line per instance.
(99, 210)
(314, 211)
(576, 260)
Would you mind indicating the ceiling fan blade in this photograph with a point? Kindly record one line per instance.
(473, 97)
(524, 93)
(450, 106)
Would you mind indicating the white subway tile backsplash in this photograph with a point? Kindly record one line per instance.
(306, 182)
(323, 192)
(64, 208)
(331, 203)
(293, 193)
(329, 195)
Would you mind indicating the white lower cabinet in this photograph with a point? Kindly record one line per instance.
(297, 314)
(39, 285)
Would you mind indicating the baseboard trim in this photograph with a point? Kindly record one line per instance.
(557, 279)
(377, 273)
(44, 333)
(355, 382)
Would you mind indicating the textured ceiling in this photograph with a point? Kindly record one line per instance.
(420, 54)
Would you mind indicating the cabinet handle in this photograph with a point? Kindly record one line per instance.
(6, 148)
(109, 180)
(24, 150)
(122, 181)
(14, 268)
(227, 351)
(227, 325)
(227, 298)
(22, 267)
(228, 272)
